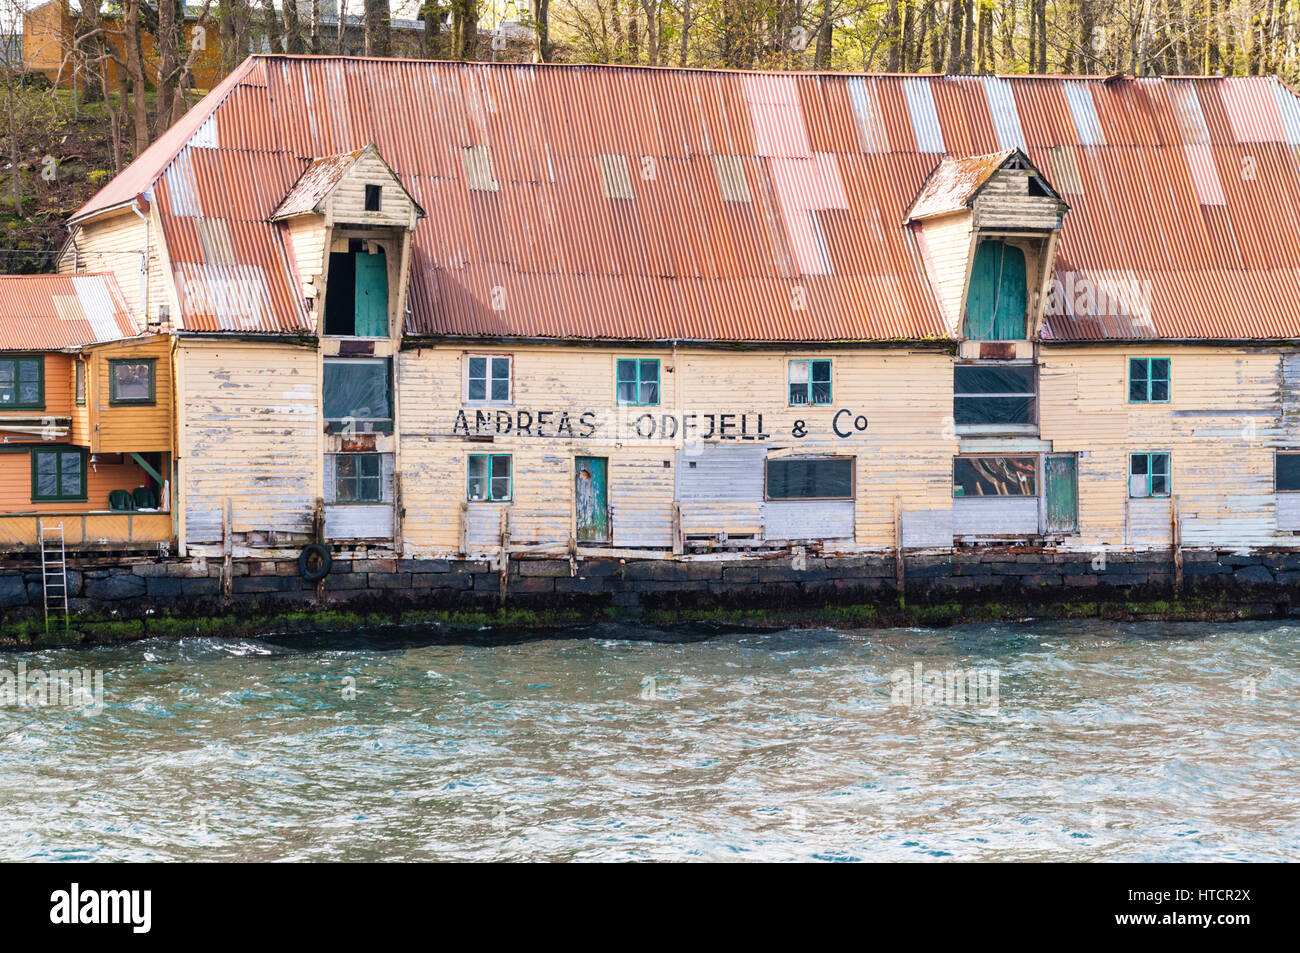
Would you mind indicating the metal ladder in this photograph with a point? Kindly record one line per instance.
(54, 573)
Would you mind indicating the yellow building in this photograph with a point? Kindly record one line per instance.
(775, 313)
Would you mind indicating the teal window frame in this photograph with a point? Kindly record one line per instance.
(79, 382)
(638, 380)
(1149, 364)
(60, 453)
(358, 478)
(1168, 474)
(114, 400)
(489, 462)
(16, 362)
(809, 382)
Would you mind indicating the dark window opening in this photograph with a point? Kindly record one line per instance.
(372, 198)
(993, 394)
(810, 479)
(994, 476)
(1148, 380)
(358, 394)
(356, 292)
(1286, 473)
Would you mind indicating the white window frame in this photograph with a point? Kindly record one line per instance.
(487, 401)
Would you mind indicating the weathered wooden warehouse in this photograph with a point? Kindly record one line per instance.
(440, 308)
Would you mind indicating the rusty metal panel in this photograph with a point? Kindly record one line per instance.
(49, 312)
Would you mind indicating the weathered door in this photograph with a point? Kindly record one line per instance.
(591, 494)
(372, 295)
(1062, 489)
(997, 296)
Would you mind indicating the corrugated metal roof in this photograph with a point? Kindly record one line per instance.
(952, 186)
(50, 312)
(662, 204)
(316, 182)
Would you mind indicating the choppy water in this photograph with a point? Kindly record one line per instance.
(1135, 742)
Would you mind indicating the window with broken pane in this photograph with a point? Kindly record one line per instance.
(488, 379)
(637, 381)
(1148, 475)
(357, 478)
(488, 478)
(1148, 380)
(810, 383)
(994, 394)
(994, 476)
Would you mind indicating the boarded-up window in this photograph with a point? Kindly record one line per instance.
(994, 476)
(993, 394)
(800, 479)
(997, 298)
(1286, 474)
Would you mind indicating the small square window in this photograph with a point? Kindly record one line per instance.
(488, 478)
(637, 382)
(373, 193)
(1148, 475)
(810, 383)
(488, 379)
(357, 478)
(1148, 380)
(131, 381)
(58, 476)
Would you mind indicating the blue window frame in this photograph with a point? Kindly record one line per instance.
(489, 478)
(810, 383)
(1148, 475)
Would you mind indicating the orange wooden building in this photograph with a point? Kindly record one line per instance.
(85, 417)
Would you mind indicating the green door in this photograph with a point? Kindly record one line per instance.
(591, 495)
(995, 301)
(1062, 488)
(372, 295)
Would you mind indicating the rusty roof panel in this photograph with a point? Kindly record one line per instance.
(718, 205)
(50, 312)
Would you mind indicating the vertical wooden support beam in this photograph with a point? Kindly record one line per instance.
(678, 544)
(397, 513)
(318, 536)
(463, 543)
(898, 544)
(505, 550)
(1176, 540)
(227, 548)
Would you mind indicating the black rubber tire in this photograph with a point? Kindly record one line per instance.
(321, 555)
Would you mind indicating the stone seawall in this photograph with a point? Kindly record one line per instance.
(1264, 581)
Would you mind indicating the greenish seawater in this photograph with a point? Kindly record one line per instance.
(1097, 741)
